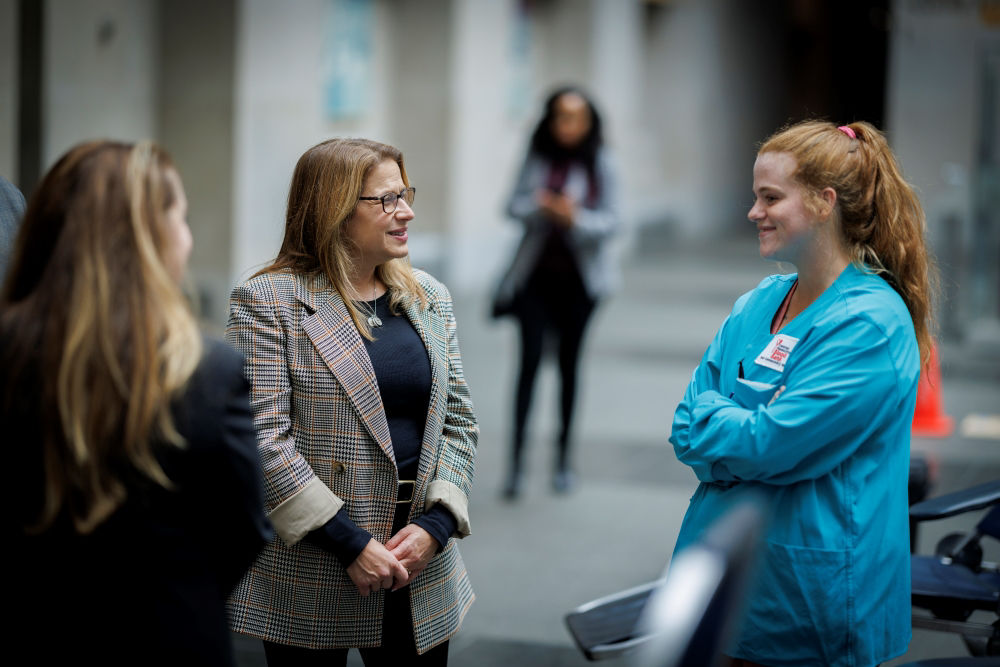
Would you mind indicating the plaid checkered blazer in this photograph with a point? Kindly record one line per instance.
(325, 448)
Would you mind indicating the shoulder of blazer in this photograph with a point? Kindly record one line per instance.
(438, 296)
(286, 287)
(278, 284)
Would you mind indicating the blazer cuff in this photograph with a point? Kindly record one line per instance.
(307, 510)
(449, 495)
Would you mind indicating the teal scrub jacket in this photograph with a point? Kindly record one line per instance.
(831, 454)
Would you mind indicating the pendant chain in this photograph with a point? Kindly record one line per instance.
(373, 319)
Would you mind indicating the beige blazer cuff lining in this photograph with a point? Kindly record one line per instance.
(307, 510)
(449, 495)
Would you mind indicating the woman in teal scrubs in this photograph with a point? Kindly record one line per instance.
(806, 396)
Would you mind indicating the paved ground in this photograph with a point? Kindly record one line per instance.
(534, 560)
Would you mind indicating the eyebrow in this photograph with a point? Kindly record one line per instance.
(386, 191)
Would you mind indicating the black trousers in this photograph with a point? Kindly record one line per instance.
(556, 311)
(398, 646)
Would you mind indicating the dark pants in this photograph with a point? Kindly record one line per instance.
(557, 311)
(398, 646)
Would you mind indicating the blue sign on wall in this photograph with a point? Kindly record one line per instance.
(347, 58)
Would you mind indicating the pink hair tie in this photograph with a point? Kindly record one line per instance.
(848, 131)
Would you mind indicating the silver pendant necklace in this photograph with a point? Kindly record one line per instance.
(373, 320)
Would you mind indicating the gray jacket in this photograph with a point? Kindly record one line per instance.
(588, 237)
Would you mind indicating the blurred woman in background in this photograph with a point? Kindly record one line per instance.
(135, 502)
(566, 197)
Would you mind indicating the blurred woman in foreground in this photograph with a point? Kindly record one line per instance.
(135, 502)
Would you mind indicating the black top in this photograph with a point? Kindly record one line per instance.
(403, 373)
(149, 584)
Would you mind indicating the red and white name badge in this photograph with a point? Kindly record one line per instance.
(777, 352)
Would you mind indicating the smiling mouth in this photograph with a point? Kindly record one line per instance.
(398, 232)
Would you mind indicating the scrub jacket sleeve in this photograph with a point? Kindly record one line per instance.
(704, 379)
(833, 401)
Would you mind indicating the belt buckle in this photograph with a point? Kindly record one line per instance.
(411, 483)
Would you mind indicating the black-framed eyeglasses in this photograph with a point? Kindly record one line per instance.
(389, 199)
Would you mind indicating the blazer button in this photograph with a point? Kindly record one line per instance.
(339, 467)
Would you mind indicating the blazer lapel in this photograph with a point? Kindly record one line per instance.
(336, 339)
(431, 327)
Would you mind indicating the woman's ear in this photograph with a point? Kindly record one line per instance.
(828, 197)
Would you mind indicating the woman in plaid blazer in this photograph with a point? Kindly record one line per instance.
(364, 422)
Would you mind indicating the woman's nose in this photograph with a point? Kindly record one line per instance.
(403, 210)
(756, 212)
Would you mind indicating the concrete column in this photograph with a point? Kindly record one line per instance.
(617, 67)
(196, 126)
(279, 113)
(931, 114)
(485, 143)
(711, 89)
(680, 81)
(938, 57)
(565, 36)
(419, 116)
(100, 73)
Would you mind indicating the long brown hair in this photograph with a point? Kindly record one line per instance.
(92, 318)
(326, 184)
(881, 220)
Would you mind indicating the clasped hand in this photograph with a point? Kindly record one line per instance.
(557, 207)
(395, 564)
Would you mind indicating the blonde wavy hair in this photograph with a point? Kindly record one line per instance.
(326, 184)
(91, 316)
(881, 220)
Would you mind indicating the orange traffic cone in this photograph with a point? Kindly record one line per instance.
(928, 419)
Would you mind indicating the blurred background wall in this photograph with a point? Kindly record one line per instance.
(238, 89)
